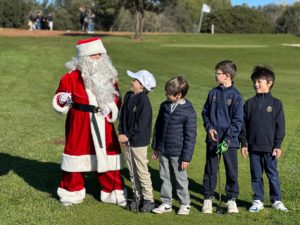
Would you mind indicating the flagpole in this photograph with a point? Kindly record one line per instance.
(200, 21)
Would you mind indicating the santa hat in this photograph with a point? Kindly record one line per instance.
(90, 46)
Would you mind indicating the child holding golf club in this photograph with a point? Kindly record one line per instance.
(261, 137)
(173, 143)
(135, 127)
(223, 118)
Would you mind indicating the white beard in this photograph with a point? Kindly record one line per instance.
(98, 75)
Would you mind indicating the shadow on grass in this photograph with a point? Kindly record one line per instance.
(156, 184)
(43, 176)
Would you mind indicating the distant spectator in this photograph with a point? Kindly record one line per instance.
(44, 23)
(50, 21)
(31, 21)
(84, 12)
(90, 20)
(38, 21)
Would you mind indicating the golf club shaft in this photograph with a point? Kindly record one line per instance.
(130, 157)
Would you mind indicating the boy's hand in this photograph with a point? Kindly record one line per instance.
(184, 165)
(154, 155)
(276, 153)
(244, 152)
(122, 138)
(213, 135)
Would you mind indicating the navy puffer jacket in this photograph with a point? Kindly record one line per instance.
(175, 132)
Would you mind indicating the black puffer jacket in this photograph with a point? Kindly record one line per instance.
(175, 133)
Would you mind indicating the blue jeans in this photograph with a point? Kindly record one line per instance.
(259, 162)
(91, 27)
(211, 172)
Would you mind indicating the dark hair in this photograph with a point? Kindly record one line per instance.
(227, 66)
(263, 72)
(177, 85)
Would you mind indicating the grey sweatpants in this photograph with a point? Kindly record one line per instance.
(168, 163)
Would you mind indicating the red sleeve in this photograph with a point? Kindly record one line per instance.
(65, 84)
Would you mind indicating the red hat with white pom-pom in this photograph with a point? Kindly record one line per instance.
(90, 46)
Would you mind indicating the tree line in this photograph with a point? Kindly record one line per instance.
(157, 15)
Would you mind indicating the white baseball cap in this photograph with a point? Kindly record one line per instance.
(145, 77)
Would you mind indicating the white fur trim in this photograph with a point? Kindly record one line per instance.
(106, 162)
(59, 109)
(86, 163)
(115, 197)
(114, 112)
(74, 197)
(83, 163)
(91, 48)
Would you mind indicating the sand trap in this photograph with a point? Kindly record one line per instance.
(292, 45)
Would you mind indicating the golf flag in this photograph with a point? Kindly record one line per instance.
(205, 8)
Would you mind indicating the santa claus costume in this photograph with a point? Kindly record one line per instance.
(88, 94)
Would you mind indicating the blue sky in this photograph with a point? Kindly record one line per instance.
(260, 2)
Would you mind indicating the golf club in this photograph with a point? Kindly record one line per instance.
(220, 211)
(131, 164)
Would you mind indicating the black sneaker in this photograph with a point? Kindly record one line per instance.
(147, 206)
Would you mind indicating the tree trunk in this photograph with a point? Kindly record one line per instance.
(141, 26)
(138, 25)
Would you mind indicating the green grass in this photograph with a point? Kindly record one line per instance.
(31, 132)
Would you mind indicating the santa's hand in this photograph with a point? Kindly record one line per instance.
(65, 97)
(105, 110)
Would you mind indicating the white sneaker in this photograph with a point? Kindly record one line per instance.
(163, 208)
(207, 206)
(279, 206)
(257, 205)
(184, 210)
(231, 206)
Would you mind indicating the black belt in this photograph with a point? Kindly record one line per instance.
(92, 109)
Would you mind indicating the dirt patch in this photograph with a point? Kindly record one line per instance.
(46, 33)
(59, 141)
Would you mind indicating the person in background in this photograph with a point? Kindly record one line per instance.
(90, 22)
(50, 21)
(31, 21)
(38, 21)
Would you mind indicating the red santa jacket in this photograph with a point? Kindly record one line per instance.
(82, 151)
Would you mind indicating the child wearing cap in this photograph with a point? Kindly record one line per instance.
(135, 127)
(173, 143)
(261, 138)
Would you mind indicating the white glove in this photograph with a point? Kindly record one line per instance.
(65, 97)
(105, 110)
